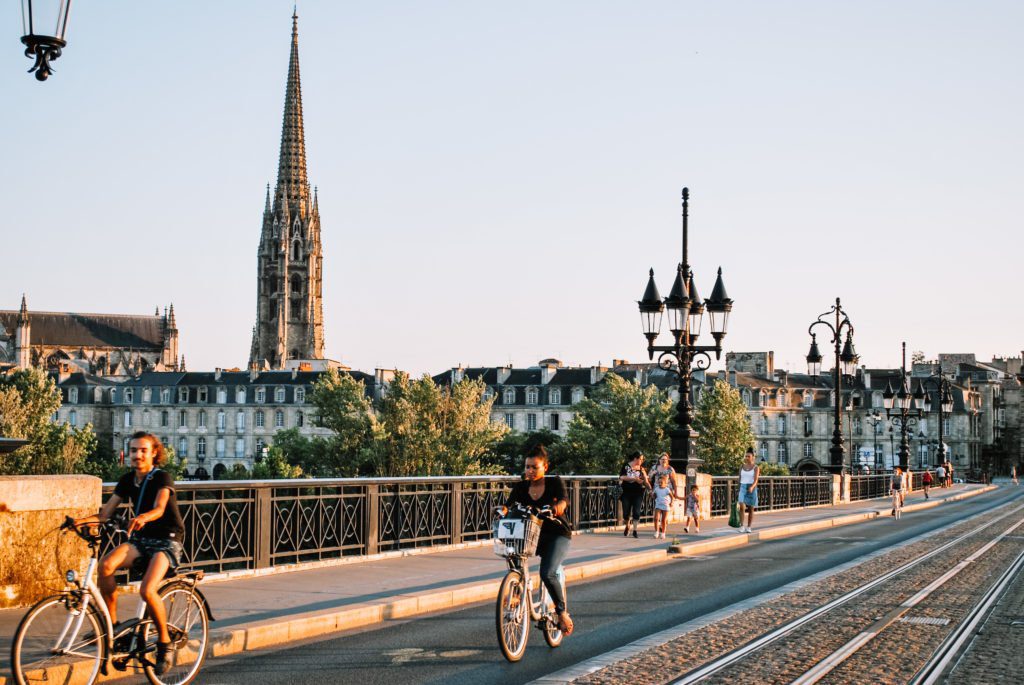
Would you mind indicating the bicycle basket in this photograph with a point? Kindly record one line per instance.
(516, 536)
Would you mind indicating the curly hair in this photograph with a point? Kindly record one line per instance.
(159, 453)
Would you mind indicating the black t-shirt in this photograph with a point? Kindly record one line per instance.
(167, 527)
(554, 491)
(632, 488)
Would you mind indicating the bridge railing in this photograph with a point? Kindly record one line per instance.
(258, 524)
(774, 492)
(869, 486)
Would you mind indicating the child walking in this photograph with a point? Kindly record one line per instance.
(692, 509)
(663, 496)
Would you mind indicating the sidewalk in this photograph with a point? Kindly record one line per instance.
(261, 611)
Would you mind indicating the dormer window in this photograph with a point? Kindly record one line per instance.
(222, 395)
(746, 397)
(203, 394)
(531, 395)
(240, 395)
(488, 393)
(555, 396)
(780, 399)
(147, 395)
(129, 395)
(182, 395)
(165, 396)
(73, 396)
(808, 399)
(509, 396)
(577, 395)
(279, 395)
(763, 399)
(300, 395)
(261, 395)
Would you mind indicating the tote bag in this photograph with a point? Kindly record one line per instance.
(734, 515)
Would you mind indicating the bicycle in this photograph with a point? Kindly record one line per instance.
(897, 504)
(515, 539)
(69, 636)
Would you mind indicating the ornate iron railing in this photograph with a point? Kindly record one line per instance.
(773, 492)
(869, 487)
(257, 524)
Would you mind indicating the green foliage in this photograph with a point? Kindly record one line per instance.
(318, 457)
(508, 454)
(275, 466)
(772, 469)
(723, 428)
(236, 472)
(28, 400)
(617, 419)
(344, 409)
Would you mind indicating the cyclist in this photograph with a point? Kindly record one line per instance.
(539, 490)
(154, 534)
(896, 486)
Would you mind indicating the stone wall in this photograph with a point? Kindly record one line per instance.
(34, 554)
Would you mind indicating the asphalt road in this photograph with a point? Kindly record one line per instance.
(460, 646)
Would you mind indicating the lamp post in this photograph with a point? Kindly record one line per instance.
(903, 409)
(685, 311)
(42, 47)
(845, 364)
(939, 384)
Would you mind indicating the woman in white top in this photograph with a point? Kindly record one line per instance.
(749, 473)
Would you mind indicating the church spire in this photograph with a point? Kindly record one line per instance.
(23, 312)
(292, 186)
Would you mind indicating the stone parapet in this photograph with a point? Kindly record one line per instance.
(34, 555)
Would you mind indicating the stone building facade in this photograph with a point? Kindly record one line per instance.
(289, 281)
(98, 344)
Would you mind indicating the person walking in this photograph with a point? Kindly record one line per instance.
(663, 468)
(949, 474)
(1013, 475)
(634, 482)
(692, 509)
(664, 494)
(749, 474)
(926, 482)
(940, 475)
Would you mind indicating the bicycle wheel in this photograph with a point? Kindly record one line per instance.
(513, 616)
(52, 645)
(552, 633)
(189, 628)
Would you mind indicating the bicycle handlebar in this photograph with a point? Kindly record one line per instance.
(518, 508)
(114, 524)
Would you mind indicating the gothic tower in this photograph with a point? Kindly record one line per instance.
(289, 298)
(23, 338)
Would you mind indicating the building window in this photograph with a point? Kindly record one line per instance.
(240, 421)
(554, 422)
(261, 395)
(946, 428)
(300, 420)
(73, 417)
(746, 397)
(531, 422)
(147, 396)
(222, 395)
(808, 449)
(763, 398)
(73, 395)
(531, 395)
(764, 425)
(808, 399)
(240, 395)
(239, 447)
(182, 395)
(165, 419)
(219, 447)
(488, 393)
(858, 427)
(129, 395)
(165, 396)
(182, 419)
(202, 394)
(222, 421)
(278, 419)
(202, 418)
(555, 396)
(127, 418)
(182, 447)
(808, 425)
(782, 455)
(260, 446)
(300, 395)
(780, 424)
(279, 395)
(509, 396)
(764, 450)
(260, 420)
(145, 417)
(780, 399)
(201, 448)
(577, 395)
(510, 420)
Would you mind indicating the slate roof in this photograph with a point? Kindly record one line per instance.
(68, 329)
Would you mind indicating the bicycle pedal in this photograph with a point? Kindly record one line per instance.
(120, 664)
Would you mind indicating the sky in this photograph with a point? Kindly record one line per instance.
(496, 179)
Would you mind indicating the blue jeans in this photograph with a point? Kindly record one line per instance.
(552, 552)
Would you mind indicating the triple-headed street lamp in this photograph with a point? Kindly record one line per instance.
(904, 408)
(939, 384)
(685, 311)
(845, 365)
(44, 48)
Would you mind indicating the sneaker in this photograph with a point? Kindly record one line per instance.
(686, 529)
(162, 663)
(625, 533)
(698, 531)
(635, 534)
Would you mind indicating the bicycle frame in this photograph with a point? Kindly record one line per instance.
(538, 609)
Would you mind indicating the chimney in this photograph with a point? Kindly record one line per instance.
(619, 362)
(732, 379)
(216, 373)
(252, 374)
(596, 374)
(783, 377)
(503, 373)
(295, 372)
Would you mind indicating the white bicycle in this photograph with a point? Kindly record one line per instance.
(69, 637)
(515, 539)
(897, 504)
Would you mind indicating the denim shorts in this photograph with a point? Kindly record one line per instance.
(150, 547)
(748, 498)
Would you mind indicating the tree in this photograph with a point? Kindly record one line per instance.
(28, 400)
(620, 417)
(772, 469)
(507, 454)
(724, 432)
(917, 357)
(275, 466)
(344, 408)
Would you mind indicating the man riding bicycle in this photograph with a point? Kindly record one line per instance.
(154, 534)
(538, 490)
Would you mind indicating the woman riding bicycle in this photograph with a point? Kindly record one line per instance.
(538, 490)
(158, 548)
(896, 487)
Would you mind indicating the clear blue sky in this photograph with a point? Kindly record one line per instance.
(495, 179)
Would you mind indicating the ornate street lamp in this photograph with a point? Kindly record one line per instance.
(44, 48)
(845, 365)
(685, 311)
(903, 408)
(939, 384)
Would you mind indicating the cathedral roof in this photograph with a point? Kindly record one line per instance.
(292, 183)
(70, 329)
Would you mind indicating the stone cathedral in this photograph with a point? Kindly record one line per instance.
(289, 297)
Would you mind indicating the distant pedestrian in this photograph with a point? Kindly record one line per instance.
(692, 509)
(634, 483)
(896, 486)
(749, 473)
(664, 494)
(1013, 475)
(940, 474)
(949, 474)
(663, 468)
(926, 482)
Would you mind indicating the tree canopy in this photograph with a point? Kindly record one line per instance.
(724, 432)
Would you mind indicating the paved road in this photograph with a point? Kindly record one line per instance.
(461, 646)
